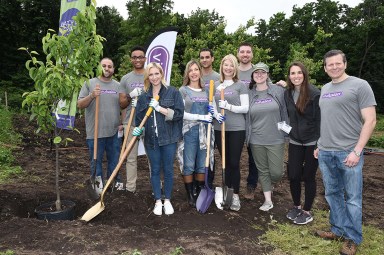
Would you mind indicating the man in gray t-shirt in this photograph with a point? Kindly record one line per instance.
(206, 61)
(132, 83)
(348, 117)
(245, 56)
(108, 91)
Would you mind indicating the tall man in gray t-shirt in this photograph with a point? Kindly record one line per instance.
(133, 84)
(245, 56)
(108, 91)
(348, 117)
(206, 60)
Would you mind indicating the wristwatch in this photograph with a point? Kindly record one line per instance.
(357, 153)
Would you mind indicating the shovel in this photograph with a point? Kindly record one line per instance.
(90, 183)
(225, 192)
(206, 195)
(99, 207)
(127, 129)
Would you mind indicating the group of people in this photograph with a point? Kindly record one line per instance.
(327, 128)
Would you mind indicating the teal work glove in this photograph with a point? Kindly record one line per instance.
(137, 131)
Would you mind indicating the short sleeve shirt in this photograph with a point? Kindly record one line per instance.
(129, 82)
(109, 108)
(341, 120)
(234, 121)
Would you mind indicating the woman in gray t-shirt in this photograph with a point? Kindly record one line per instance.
(266, 109)
(236, 106)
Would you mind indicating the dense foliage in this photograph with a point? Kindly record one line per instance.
(306, 35)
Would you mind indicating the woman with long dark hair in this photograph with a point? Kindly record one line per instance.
(302, 100)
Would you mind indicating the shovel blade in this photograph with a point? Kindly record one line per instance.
(219, 198)
(228, 196)
(93, 211)
(204, 199)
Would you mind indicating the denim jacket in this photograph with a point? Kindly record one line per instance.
(168, 127)
(277, 94)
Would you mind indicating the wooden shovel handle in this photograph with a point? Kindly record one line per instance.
(96, 131)
(222, 132)
(127, 129)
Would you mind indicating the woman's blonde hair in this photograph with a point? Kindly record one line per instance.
(147, 84)
(186, 80)
(234, 62)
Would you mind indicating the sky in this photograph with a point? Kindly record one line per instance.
(236, 13)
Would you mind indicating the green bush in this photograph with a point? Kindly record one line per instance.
(9, 139)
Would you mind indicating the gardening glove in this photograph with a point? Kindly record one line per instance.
(220, 118)
(134, 102)
(136, 92)
(224, 104)
(206, 118)
(137, 131)
(211, 109)
(154, 104)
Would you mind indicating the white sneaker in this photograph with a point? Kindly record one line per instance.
(158, 210)
(168, 208)
(98, 185)
(119, 186)
(268, 205)
(235, 206)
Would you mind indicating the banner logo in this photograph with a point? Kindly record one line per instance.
(160, 54)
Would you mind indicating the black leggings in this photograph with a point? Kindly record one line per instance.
(302, 166)
(234, 142)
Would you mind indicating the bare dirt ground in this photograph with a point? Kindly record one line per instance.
(127, 223)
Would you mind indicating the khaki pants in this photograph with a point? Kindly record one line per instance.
(269, 161)
(131, 166)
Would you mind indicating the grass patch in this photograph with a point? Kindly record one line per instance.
(7, 252)
(9, 140)
(300, 240)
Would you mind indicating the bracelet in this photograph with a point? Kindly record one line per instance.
(91, 95)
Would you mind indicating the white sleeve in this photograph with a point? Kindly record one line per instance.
(189, 116)
(243, 108)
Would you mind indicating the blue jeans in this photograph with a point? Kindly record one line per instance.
(194, 158)
(343, 192)
(111, 145)
(161, 157)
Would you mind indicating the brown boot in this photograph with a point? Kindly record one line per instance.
(348, 248)
(328, 235)
(249, 193)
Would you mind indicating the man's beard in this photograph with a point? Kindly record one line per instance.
(106, 75)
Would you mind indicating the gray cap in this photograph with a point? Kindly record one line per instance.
(261, 66)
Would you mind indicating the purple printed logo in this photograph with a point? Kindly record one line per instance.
(108, 91)
(159, 54)
(136, 85)
(199, 99)
(333, 94)
(263, 101)
(66, 22)
(246, 82)
(229, 92)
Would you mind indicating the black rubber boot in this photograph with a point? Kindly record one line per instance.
(199, 186)
(189, 189)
